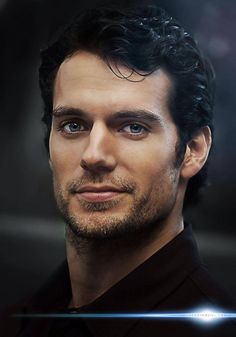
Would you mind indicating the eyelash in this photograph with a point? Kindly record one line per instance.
(62, 126)
(145, 130)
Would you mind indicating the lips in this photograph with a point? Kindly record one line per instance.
(98, 193)
(98, 189)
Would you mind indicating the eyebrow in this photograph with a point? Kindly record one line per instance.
(144, 115)
(68, 111)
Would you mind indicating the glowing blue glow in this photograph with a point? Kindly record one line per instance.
(204, 315)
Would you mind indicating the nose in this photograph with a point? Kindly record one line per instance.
(99, 154)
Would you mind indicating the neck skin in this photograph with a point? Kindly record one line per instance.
(97, 267)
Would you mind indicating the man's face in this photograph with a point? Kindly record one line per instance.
(112, 148)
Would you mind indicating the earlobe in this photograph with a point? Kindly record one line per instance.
(196, 154)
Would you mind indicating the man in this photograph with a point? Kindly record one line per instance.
(128, 108)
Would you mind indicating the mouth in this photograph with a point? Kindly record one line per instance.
(98, 193)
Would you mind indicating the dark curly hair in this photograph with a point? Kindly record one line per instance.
(143, 40)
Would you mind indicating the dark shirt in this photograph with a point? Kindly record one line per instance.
(173, 280)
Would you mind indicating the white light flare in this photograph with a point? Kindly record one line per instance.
(207, 315)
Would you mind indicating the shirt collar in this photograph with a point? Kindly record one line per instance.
(140, 291)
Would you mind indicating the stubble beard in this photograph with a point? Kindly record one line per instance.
(144, 215)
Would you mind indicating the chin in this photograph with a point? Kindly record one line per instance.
(98, 225)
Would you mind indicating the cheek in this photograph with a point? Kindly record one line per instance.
(151, 166)
(146, 161)
(63, 162)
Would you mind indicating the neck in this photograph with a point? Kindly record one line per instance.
(96, 266)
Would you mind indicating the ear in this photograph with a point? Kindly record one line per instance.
(196, 154)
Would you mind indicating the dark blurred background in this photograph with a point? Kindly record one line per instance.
(31, 233)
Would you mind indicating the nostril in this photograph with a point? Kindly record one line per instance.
(97, 167)
(84, 165)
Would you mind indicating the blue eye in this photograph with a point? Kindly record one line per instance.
(134, 128)
(72, 127)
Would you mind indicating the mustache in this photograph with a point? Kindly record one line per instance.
(120, 183)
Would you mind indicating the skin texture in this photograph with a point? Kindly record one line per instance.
(135, 155)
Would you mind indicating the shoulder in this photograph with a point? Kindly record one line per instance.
(198, 291)
(210, 289)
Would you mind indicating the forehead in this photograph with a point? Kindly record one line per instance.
(85, 81)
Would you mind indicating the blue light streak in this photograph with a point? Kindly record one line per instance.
(198, 315)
